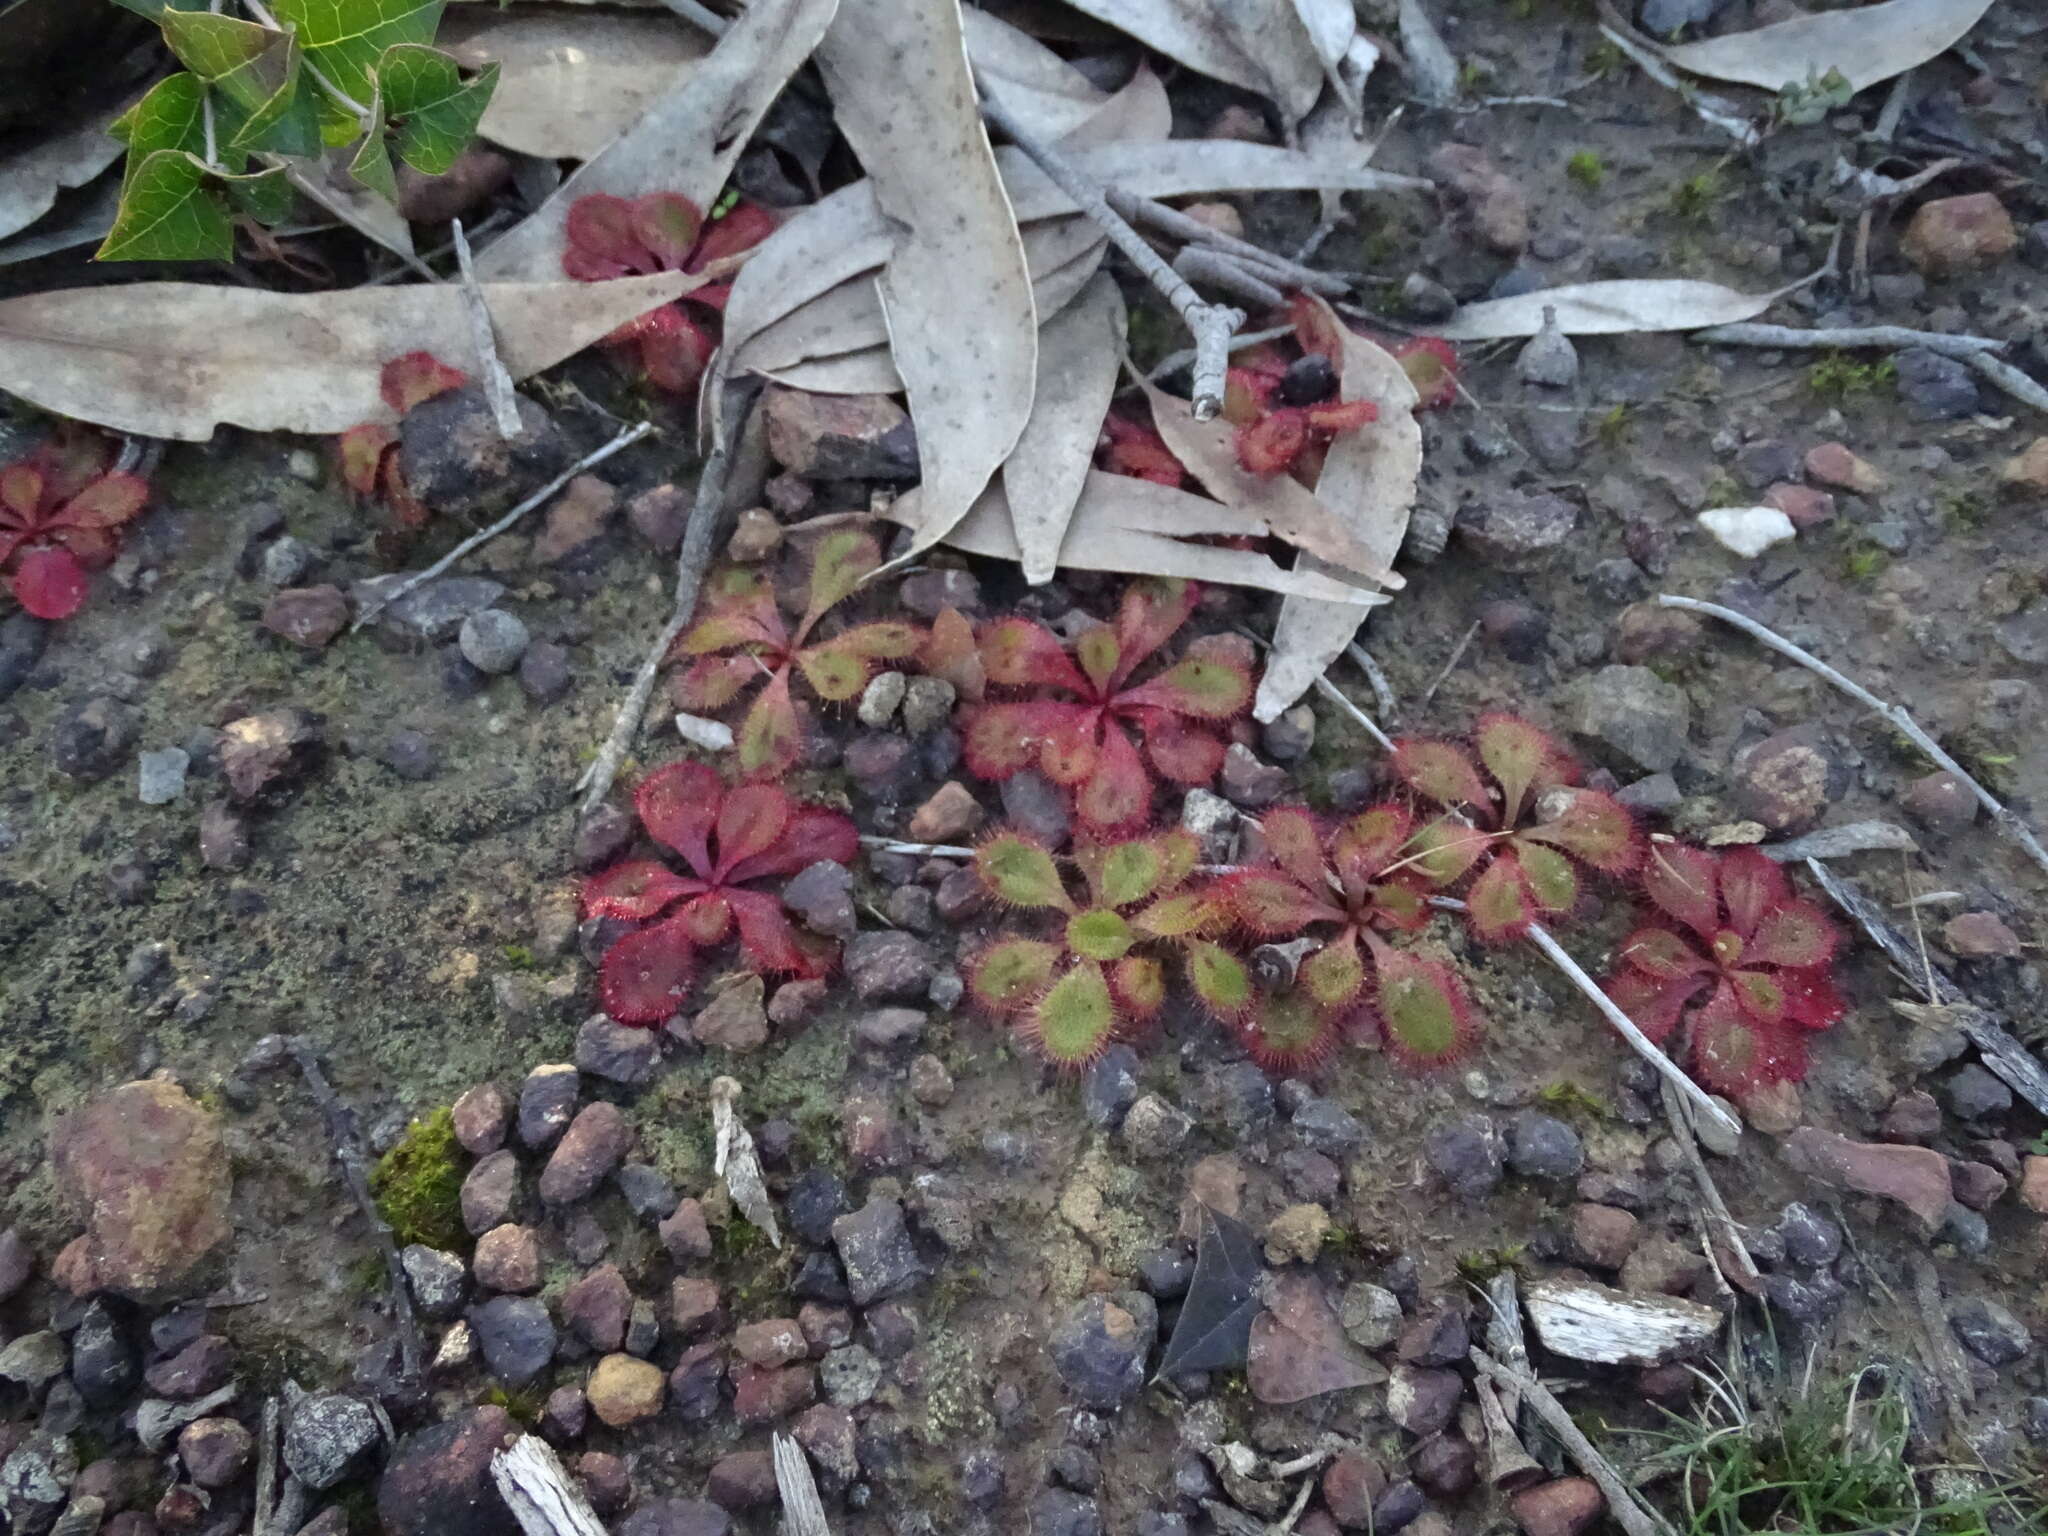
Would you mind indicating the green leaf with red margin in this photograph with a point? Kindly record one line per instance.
(1273, 904)
(1178, 917)
(1020, 653)
(636, 890)
(1184, 753)
(1010, 974)
(1075, 1019)
(1523, 760)
(1118, 793)
(1684, 882)
(1594, 827)
(748, 622)
(1498, 907)
(750, 821)
(1548, 876)
(1440, 771)
(1287, 1033)
(361, 450)
(841, 562)
(1397, 906)
(668, 224)
(1021, 873)
(835, 675)
(1661, 954)
(708, 918)
(767, 941)
(883, 640)
(1218, 978)
(1122, 874)
(1733, 1053)
(1295, 840)
(1751, 885)
(1655, 1006)
(1758, 994)
(952, 653)
(645, 977)
(1425, 1017)
(1443, 851)
(1000, 739)
(1099, 934)
(1182, 852)
(1067, 739)
(1197, 686)
(710, 683)
(1797, 936)
(1151, 613)
(813, 833)
(1364, 845)
(678, 805)
(1097, 651)
(1139, 983)
(772, 734)
(1334, 975)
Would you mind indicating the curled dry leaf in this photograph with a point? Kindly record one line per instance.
(1285, 506)
(844, 236)
(569, 85)
(736, 1161)
(687, 141)
(1865, 44)
(33, 178)
(1368, 478)
(1078, 351)
(1260, 45)
(900, 84)
(1610, 308)
(1139, 528)
(177, 359)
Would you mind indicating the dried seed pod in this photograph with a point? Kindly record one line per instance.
(1548, 358)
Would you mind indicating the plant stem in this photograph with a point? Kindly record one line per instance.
(340, 97)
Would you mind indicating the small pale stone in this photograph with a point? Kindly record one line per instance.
(755, 536)
(879, 699)
(1832, 464)
(623, 1390)
(950, 814)
(1747, 531)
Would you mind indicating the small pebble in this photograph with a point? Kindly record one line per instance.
(493, 640)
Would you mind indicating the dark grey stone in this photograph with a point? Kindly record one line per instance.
(1935, 387)
(875, 1247)
(1466, 1154)
(1541, 1146)
(516, 1335)
(1110, 1086)
(325, 1436)
(1989, 1331)
(1100, 1346)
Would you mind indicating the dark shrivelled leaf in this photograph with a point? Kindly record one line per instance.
(1215, 1328)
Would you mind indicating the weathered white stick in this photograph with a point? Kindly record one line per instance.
(497, 382)
(1891, 714)
(803, 1512)
(1630, 1512)
(542, 1496)
(1845, 338)
(916, 850)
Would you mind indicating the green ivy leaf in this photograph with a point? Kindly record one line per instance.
(154, 9)
(169, 212)
(346, 38)
(434, 110)
(170, 116)
(371, 163)
(266, 195)
(261, 99)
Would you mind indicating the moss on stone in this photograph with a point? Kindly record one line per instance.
(418, 1183)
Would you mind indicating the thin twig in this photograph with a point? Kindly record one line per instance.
(1846, 338)
(1219, 269)
(1359, 717)
(1609, 1010)
(1677, 1113)
(916, 850)
(1715, 111)
(1173, 362)
(1894, 108)
(1171, 221)
(2008, 378)
(700, 534)
(417, 579)
(348, 1152)
(1891, 714)
(1382, 690)
(1212, 325)
(497, 382)
(265, 1512)
(543, 1497)
(340, 97)
(1627, 1506)
(803, 1511)
(1457, 655)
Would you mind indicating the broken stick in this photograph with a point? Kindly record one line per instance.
(1211, 325)
(348, 1152)
(694, 558)
(1891, 714)
(497, 382)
